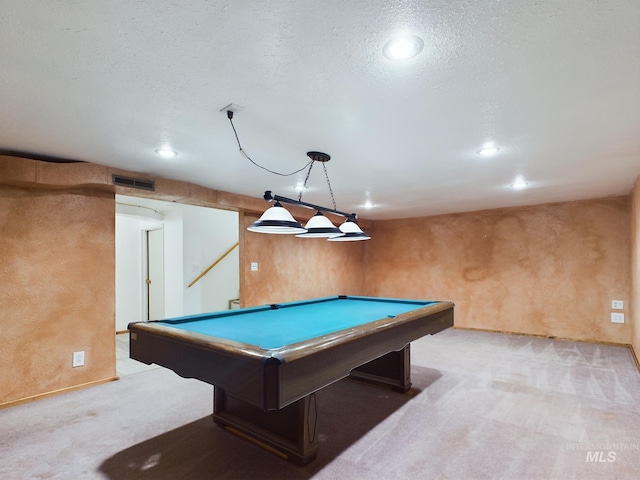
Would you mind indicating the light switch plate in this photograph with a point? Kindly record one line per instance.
(78, 359)
(617, 304)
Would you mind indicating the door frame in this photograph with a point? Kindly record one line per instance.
(144, 239)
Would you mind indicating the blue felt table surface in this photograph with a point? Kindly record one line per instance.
(295, 321)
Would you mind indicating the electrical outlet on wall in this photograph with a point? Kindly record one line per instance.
(617, 317)
(78, 359)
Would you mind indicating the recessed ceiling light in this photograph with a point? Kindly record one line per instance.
(166, 152)
(488, 150)
(367, 204)
(519, 183)
(403, 48)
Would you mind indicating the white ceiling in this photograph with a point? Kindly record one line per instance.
(555, 84)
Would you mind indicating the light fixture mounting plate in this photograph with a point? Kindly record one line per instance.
(232, 107)
(318, 156)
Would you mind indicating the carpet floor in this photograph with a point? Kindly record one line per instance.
(483, 406)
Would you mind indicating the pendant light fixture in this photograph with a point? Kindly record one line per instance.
(319, 226)
(278, 220)
(350, 232)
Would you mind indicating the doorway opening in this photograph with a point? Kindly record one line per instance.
(161, 247)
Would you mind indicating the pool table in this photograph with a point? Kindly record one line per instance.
(267, 363)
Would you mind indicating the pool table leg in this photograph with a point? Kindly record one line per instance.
(391, 370)
(291, 432)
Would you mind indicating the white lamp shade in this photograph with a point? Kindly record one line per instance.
(351, 232)
(319, 226)
(276, 220)
(350, 227)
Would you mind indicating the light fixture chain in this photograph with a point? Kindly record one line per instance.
(306, 179)
(329, 184)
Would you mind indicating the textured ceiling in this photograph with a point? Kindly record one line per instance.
(555, 84)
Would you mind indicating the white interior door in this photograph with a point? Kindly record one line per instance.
(155, 275)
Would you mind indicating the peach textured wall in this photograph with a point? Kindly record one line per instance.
(58, 270)
(293, 268)
(57, 280)
(549, 270)
(635, 265)
(546, 270)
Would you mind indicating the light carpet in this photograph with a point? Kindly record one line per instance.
(483, 406)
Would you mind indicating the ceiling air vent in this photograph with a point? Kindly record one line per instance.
(138, 183)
